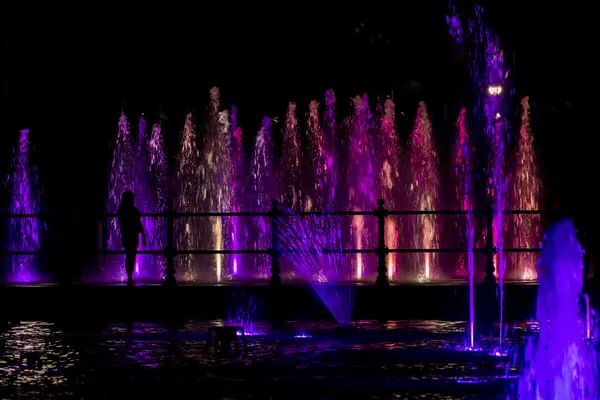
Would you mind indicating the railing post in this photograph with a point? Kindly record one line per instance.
(170, 250)
(275, 253)
(489, 246)
(382, 251)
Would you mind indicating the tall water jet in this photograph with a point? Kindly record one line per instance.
(388, 160)
(159, 168)
(360, 178)
(216, 169)
(463, 168)
(291, 195)
(147, 265)
(560, 364)
(239, 231)
(122, 178)
(525, 189)
(264, 190)
(189, 197)
(424, 189)
(317, 192)
(330, 134)
(24, 233)
(314, 247)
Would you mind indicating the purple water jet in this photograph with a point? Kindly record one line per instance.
(239, 231)
(560, 364)
(463, 167)
(389, 177)
(24, 233)
(313, 246)
(264, 190)
(360, 180)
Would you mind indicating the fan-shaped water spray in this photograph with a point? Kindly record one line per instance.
(313, 245)
(24, 233)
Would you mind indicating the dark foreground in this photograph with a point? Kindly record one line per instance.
(107, 342)
(104, 360)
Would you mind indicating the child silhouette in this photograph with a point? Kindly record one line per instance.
(130, 225)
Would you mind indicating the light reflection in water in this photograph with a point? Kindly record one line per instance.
(32, 354)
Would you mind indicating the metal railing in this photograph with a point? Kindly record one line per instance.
(275, 213)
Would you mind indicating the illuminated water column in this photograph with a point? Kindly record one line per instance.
(388, 158)
(217, 170)
(425, 193)
(525, 192)
(290, 179)
(23, 233)
(188, 198)
(360, 177)
(239, 231)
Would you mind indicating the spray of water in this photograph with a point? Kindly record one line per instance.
(122, 178)
(360, 178)
(216, 169)
(463, 167)
(24, 233)
(159, 168)
(264, 190)
(314, 247)
(189, 196)
(388, 162)
(331, 140)
(290, 168)
(425, 193)
(560, 364)
(239, 231)
(525, 189)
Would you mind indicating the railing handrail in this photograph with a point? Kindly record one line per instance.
(275, 213)
(303, 213)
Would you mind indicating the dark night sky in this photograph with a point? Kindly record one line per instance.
(68, 74)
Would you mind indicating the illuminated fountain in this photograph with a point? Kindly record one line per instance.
(389, 179)
(24, 233)
(291, 194)
(147, 265)
(314, 247)
(463, 168)
(189, 196)
(424, 190)
(525, 189)
(330, 133)
(239, 231)
(263, 191)
(131, 170)
(159, 168)
(360, 179)
(561, 362)
(216, 171)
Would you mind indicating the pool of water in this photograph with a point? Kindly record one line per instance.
(300, 360)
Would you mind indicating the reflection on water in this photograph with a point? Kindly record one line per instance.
(34, 356)
(402, 358)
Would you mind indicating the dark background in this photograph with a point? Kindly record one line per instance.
(70, 72)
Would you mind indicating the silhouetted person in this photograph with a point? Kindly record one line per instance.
(130, 224)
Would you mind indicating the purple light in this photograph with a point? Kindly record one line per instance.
(24, 233)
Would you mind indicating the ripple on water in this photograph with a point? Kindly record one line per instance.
(41, 359)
